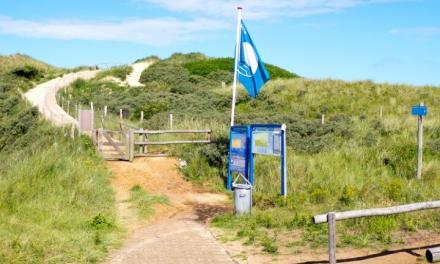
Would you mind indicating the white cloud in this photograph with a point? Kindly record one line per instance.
(158, 31)
(418, 33)
(261, 9)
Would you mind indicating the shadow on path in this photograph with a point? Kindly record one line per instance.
(375, 255)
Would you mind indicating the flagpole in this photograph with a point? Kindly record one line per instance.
(237, 58)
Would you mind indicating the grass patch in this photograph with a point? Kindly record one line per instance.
(144, 202)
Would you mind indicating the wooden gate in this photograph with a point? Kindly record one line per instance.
(115, 145)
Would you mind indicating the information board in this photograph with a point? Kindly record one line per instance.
(246, 141)
(266, 141)
(238, 150)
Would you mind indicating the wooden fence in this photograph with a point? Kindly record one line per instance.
(332, 217)
(143, 139)
(122, 144)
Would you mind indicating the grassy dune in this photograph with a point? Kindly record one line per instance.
(56, 205)
(357, 159)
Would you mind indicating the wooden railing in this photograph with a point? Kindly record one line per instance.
(332, 217)
(144, 141)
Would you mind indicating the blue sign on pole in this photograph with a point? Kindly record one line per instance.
(238, 152)
(419, 110)
(246, 141)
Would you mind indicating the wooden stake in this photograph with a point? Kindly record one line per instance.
(419, 147)
(331, 237)
(105, 110)
(72, 131)
(120, 114)
(142, 116)
(171, 121)
(381, 111)
(322, 119)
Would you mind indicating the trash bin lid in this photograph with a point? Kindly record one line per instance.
(241, 186)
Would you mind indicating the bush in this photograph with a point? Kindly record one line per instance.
(28, 71)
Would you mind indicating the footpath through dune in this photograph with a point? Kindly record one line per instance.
(135, 75)
(177, 233)
(43, 96)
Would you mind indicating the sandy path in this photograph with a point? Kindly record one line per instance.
(43, 96)
(177, 233)
(135, 75)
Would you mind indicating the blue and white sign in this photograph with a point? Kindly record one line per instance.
(246, 141)
(238, 150)
(266, 140)
(419, 110)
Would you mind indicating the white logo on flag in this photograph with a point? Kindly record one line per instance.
(250, 57)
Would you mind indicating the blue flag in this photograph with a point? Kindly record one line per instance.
(251, 71)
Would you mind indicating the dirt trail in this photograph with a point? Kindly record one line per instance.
(177, 233)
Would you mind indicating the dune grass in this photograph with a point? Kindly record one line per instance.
(56, 205)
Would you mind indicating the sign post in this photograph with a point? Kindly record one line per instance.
(247, 141)
(420, 111)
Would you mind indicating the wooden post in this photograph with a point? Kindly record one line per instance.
(322, 119)
(381, 111)
(141, 147)
(419, 147)
(105, 110)
(142, 116)
(93, 117)
(120, 114)
(331, 237)
(131, 145)
(171, 121)
(72, 131)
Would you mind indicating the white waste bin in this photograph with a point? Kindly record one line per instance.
(242, 196)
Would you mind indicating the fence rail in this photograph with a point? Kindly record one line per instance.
(332, 217)
(170, 131)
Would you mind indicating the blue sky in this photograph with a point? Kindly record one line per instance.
(395, 41)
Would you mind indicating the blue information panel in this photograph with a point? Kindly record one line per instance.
(238, 150)
(266, 140)
(419, 110)
(246, 141)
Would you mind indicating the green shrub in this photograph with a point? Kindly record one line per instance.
(28, 71)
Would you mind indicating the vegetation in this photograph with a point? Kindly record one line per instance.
(144, 202)
(22, 72)
(55, 202)
(357, 159)
(120, 72)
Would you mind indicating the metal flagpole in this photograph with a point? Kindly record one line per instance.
(237, 57)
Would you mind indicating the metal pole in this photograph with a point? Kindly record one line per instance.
(284, 162)
(331, 237)
(237, 57)
(420, 147)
